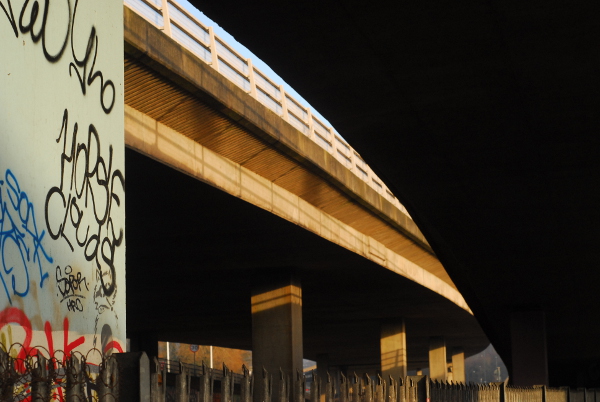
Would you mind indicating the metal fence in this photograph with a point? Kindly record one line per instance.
(33, 374)
(39, 377)
(225, 386)
(183, 27)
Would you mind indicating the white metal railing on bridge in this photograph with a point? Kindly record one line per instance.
(183, 27)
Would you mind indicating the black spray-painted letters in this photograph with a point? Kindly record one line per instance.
(79, 209)
(33, 20)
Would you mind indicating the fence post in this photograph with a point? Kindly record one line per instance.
(299, 387)
(421, 388)
(245, 385)
(156, 394)
(344, 388)
(227, 385)
(379, 387)
(206, 380)
(181, 388)
(282, 388)
(41, 382)
(368, 389)
(7, 376)
(315, 387)
(107, 382)
(501, 390)
(392, 391)
(401, 389)
(267, 386)
(329, 389)
(75, 380)
(355, 391)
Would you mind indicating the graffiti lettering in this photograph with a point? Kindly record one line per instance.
(83, 63)
(20, 239)
(74, 304)
(69, 284)
(70, 287)
(15, 316)
(89, 188)
(27, 27)
(34, 17)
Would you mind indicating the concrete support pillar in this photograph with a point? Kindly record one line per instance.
(438, 369)
(528, 344)
(458, 365)
(393, 349)
(276, 325)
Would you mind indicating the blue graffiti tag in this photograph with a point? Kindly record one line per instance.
(20, 240)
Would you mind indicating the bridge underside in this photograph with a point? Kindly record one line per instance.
(482, 117)
(194, 251)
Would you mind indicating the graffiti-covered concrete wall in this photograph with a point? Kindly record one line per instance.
(62, 183)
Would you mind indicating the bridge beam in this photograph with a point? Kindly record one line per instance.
(276, 325)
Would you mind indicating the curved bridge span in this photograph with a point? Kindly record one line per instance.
(359, 256)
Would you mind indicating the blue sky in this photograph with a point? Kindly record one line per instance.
(243, 51)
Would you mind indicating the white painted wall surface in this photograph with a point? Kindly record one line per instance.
(62, 191)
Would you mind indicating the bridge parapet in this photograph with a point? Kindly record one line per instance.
(180, 25)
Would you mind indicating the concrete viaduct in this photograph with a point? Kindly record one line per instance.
(242, 232)
(482, 117)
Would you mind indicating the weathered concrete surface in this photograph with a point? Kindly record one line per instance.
(438, 366)
(393, 349)
(458, 365)
(277, 342)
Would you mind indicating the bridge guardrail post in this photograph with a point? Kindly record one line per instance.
(214, 55)
(251, 78)
(166, 18)
(311, 125)
(284, 109)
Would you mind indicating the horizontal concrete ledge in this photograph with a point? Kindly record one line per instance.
(148, 44)
(156, 140)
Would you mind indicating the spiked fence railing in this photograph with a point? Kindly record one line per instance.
(34, 374)
(352, 389)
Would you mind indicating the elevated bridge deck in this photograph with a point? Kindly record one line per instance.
(184, 114)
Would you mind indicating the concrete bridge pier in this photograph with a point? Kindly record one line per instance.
(393, 348)
(458, 365)
(276, 325)
(438, 367)
(529, 351)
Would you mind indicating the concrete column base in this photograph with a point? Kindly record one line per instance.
(393, 349)
(438, 368)
(276, 326)
(458, 365)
